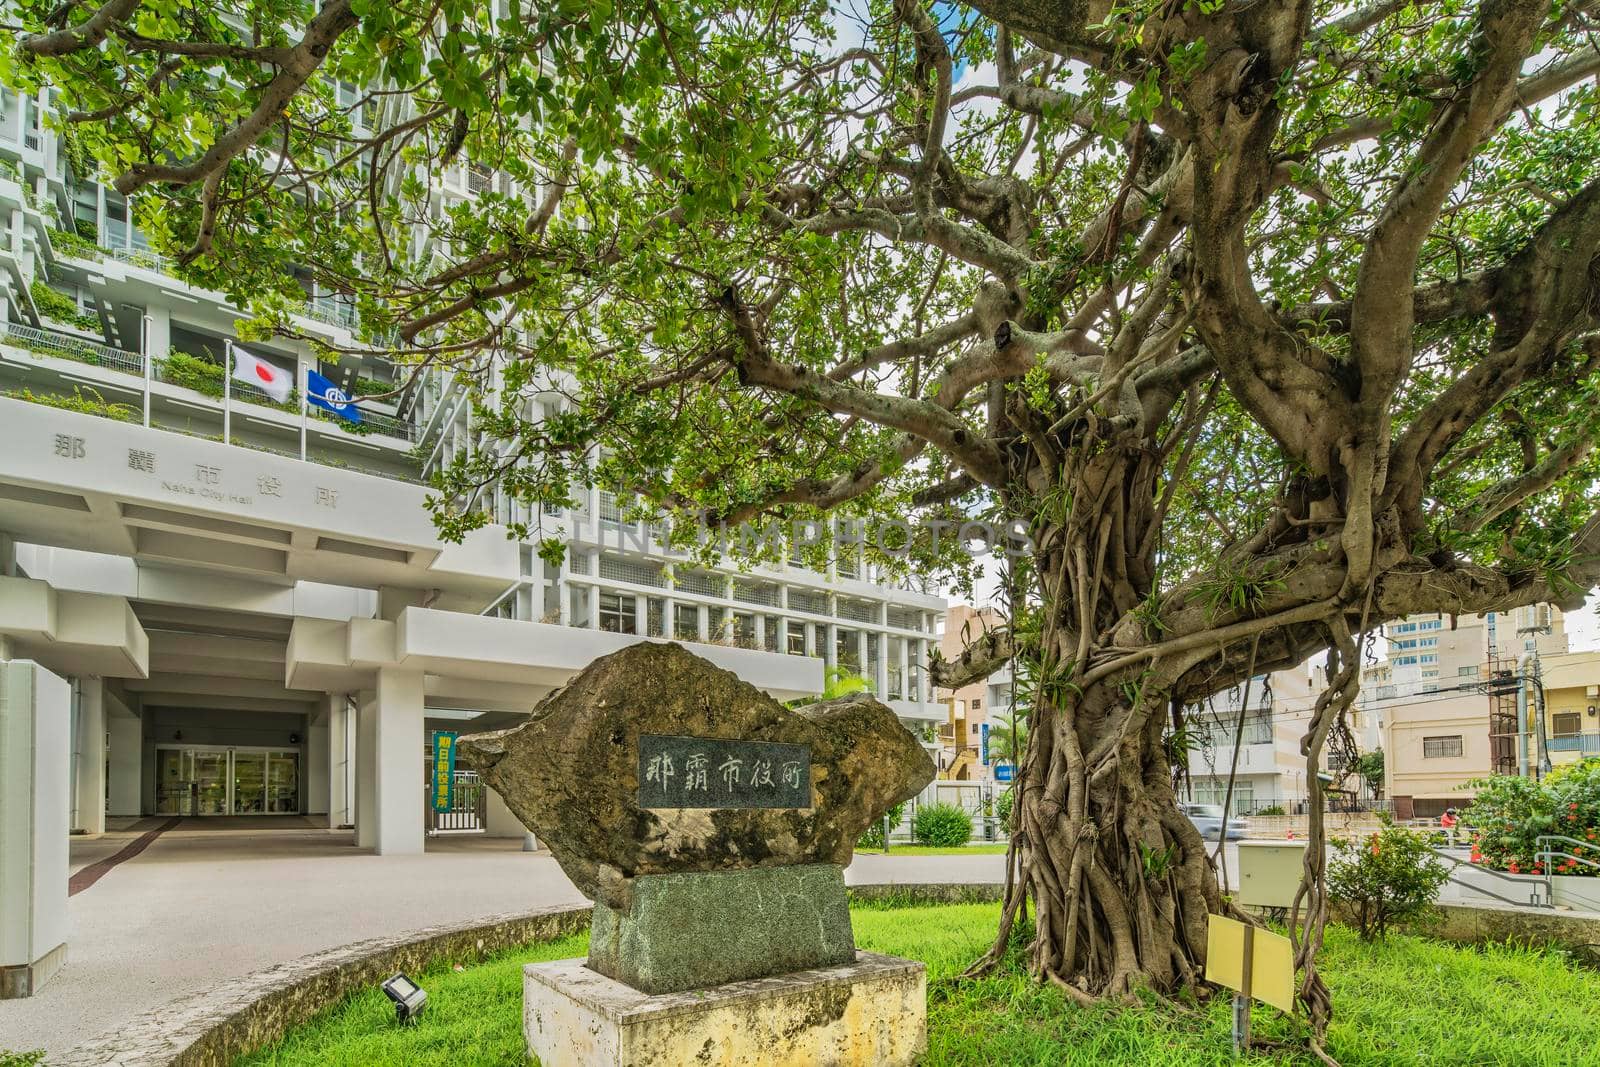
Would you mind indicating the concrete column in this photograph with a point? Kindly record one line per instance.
(905, 669)
(760, 631)
(399, 753)
(126, 751)
(35, 805)
(830, 647)
(158, 332)
(316, 776)
(641, 616)
(669, 617)
(704, 614)
(339, 762)
(498, 820)
(867, 671)
(89, 757)
(366, 770)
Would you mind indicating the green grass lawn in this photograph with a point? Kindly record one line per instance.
(928, 850)
(1411, 1001)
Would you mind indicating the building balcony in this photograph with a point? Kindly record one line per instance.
(66, 370)
(1587, 744)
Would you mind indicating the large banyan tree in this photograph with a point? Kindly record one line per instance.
(1268, 321)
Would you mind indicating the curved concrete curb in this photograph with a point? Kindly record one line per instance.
(214, 1027)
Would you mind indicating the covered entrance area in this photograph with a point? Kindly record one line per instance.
(191, 780)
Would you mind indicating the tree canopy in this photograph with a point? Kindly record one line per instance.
(1272, 321)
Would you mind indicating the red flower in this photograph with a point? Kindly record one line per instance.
(1573, 806)
(1512, 867)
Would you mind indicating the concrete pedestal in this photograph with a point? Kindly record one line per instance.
(872, 1012)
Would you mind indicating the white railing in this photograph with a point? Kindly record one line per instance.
(52, 343)
(332, 312)
(142, 257)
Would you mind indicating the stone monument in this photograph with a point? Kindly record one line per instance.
(711, 826)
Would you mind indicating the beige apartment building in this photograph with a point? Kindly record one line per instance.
(1442, 705)
(970, 709)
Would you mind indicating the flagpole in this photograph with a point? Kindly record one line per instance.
(227, 389)
(305, 401)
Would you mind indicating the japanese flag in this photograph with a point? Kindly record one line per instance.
(274, 381)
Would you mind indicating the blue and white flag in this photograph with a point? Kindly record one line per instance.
(329, 397)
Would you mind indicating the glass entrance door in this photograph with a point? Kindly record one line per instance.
(210, 776)
(283, 782)
(227, 781)
(249, 783)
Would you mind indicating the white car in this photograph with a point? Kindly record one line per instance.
(1207, 818)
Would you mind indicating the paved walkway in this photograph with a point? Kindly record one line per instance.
(199, 905)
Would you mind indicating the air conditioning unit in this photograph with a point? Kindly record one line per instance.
(1592, 691)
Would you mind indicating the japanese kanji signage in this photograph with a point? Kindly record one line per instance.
(714, 772)
(444, 770)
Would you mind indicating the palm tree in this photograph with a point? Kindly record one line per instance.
(1008, 739)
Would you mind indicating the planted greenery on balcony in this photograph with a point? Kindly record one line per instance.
(54, 304)
(93, 404)
(69, 243)
(67, 346)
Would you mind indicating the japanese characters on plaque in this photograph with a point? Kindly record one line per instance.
(714, 772)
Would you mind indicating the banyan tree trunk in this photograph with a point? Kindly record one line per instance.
(1119, 878)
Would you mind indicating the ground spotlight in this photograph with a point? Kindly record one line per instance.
(409, 998)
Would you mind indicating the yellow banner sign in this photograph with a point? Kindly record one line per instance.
(1270, 975)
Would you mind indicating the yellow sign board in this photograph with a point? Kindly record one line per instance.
(1271, 974)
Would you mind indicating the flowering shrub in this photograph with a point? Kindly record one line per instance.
(1509, 815)
(1390, 877)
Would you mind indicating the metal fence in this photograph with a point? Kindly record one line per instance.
(68, 346)
(468, 806)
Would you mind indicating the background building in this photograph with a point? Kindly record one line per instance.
(195, 620)
(1444, 701)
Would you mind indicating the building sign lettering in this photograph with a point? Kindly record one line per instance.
(715, 772)
(206, 475)
(69, 447)
(328, 498)
(141, 460)
(267, 485)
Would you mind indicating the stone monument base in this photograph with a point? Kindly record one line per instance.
(869, 1012)
(697, 929)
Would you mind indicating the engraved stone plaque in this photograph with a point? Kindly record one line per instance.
(715, 772)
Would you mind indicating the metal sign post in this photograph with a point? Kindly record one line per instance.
(1241, 999)
(1255, 964)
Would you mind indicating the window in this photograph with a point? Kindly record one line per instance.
(1432, 624)
(977, 703)
(618, 613)
(1567, 723)
(1441, 747)
(797, 639)
(686, 622)
(1467, 672)
(1428, 657)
